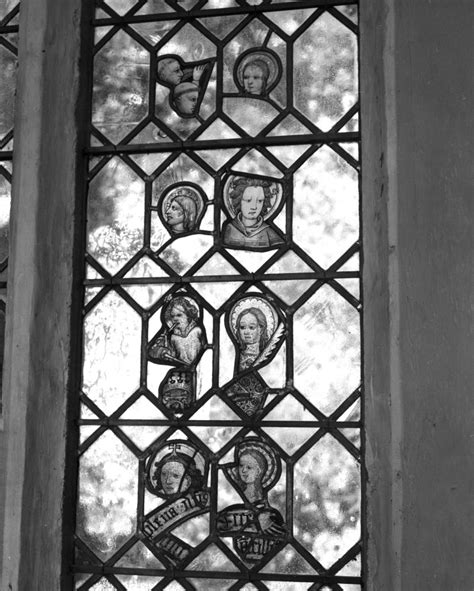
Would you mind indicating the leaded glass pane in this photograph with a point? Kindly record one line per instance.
(220, 423)
(9, 12)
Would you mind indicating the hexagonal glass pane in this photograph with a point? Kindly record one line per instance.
(327, 501)
(115, 215)
(121, 83)
(8, 70)
(326, 78)
(112, 338)
(326, 206)
(327, 349)
(107, 495)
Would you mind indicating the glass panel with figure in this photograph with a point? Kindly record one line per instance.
(221, 380)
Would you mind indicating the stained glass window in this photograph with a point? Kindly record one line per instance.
(220, 421)
(9, 14)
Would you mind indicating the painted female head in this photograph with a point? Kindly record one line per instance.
(251, 327)
(176, 473)
(252, 467)
(251, 197)
(255, 76)
(256, 468)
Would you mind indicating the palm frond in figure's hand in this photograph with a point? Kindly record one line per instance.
(272, 343)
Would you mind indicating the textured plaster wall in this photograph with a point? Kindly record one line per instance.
(435, 155)
(419, 292)
(40, 286)
(3, 441)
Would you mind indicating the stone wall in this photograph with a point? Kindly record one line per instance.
(418, 225)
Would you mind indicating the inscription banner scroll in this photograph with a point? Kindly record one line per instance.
(189, 506)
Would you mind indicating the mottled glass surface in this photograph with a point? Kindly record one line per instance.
(8, 9)
(220, 423)
(8, 66)
(115, 215)
(326, 206)
(327, 349)
(5, 201)
(327, 501)
(112, 332)
(327, 54)
(107, 490)
(120, 98)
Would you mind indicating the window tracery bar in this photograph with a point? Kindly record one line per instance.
(220, 422)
